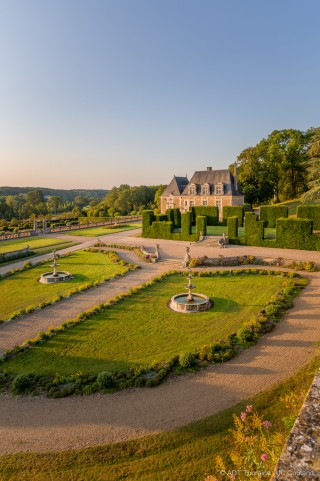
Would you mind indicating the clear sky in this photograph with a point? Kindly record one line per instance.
(95, 93)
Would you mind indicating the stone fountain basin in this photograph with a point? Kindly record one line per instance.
(180, 303)
(49, 278)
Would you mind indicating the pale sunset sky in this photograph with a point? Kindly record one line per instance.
(95, 93)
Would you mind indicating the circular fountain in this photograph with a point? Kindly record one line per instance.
(55, 276)
(190, 302)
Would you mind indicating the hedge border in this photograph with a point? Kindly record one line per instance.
(270, 213)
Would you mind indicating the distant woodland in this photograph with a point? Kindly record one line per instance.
(283, 166)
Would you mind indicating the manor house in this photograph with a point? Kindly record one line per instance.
(206, 187)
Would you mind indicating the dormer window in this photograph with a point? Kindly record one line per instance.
(219, 189)
(192, 189)
(205, 189)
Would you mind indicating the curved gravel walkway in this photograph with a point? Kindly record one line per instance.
(36, 424)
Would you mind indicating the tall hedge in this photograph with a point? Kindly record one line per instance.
(270, 213)
(161, 230)
(232, 211)
(147, 218)
(186, 225)
(201, 225)
(211, 212)
(233, 227)
(175, 216)
(311, 212)
(254, 230)
(162, 218)
(295, 234)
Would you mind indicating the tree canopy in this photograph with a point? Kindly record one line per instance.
(276, 168)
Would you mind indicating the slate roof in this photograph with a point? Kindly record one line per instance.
(176, 186)
(180, 185)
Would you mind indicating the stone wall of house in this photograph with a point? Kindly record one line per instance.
(300, 459)
(177, 201)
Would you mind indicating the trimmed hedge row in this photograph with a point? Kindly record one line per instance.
(211, 212)
(175, 216)
(233, 211)
(201, 226)
(233, 227)
(19, 255)
(186, 225)
(164, 229)
(290, 234)
(295, 234)
(254, 230)
(86, 220)
(61, 385)
(147, 218)
(270, 213)
(311, 212)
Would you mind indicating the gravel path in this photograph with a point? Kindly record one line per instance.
(40, 424)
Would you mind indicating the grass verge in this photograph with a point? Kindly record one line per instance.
(98, 231)
(34, 243)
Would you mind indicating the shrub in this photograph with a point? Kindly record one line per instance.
(270, 213)
(187, 359)
(186, 225)
(105, 380)
(21, 383)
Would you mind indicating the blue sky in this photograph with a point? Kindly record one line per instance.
(97, 93)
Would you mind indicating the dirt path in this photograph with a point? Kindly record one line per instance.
(33, 424)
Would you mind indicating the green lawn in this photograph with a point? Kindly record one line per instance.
(141, 329)
(23, 290)
(185, 454)
(97, 231)
(35, 243)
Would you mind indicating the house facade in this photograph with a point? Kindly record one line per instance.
(205, 188)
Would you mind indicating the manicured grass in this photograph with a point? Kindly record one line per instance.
(141, 329)
(23, 290)
(269, 230)
(33, 242)
(97, 231)
(217, 230)
(186, 454)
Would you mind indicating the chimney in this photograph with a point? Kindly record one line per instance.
(235, 175)
(209, 169)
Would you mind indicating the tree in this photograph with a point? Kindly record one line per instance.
(157, 195)
(35, 203)
(286, 156)
(253, 176)
(80, 201)
(313, 165)
(275, 168)
(53, 203)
